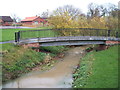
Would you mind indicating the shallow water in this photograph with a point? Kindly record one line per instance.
(60, 76)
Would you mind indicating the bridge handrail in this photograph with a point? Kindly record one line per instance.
(18, 35)
(66, 29)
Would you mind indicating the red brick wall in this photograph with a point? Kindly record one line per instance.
(39, 20)
(29, 23)
(112, 42)
(37, 45)
(31, 45)
(7, 23)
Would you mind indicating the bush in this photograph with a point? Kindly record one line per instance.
(54, 49)
(20, 60)
(17, 24)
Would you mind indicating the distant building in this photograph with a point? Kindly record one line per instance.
(6, 21)
(33, 20)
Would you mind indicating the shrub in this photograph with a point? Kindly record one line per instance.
(20, 60)
(54, 49)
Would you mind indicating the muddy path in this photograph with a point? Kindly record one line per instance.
(59, 76)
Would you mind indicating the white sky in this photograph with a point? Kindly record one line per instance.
(27, 8)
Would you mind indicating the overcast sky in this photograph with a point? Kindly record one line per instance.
(27, 8)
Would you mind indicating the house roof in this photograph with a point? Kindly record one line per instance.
(0, 20)
(30, 18)
(44, 17)
(6, 18)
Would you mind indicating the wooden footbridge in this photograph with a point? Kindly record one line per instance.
(67, 36)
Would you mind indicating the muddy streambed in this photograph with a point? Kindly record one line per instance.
(59, 76)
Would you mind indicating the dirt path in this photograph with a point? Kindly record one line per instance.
(60, 76)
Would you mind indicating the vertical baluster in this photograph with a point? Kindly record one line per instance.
(90, 32)
(54, 32)
(16, 36)
(44, 33)
(109, 33)
(58, 31)
(116, 34)
(83, 32)
(19, 36)
(97, 32)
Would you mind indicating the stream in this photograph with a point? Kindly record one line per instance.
(59, 76)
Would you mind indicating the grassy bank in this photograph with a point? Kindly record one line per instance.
(98, 70)
(18, 60)
(9, 34)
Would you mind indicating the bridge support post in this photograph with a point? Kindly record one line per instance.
(15, 36)
(112, 42)
(101, 47)
(35, 46)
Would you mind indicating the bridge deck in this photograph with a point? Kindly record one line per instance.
(68, 38)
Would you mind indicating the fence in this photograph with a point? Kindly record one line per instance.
(44, 33)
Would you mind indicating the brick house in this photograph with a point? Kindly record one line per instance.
(6, 21)
(33, 20)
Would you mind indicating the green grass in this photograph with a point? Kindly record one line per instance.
(9, 34)
(54, 49)
(18, 60)
(6, 46)
(98, 70)
(35, 34)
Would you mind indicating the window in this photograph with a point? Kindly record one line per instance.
(35, 22)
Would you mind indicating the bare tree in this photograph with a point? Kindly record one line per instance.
(95, 10)
(15, 18)
(113, 10)
(72, 11)
(45, 14)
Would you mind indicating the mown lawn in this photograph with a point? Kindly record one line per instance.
(98, 70)
(9, 34)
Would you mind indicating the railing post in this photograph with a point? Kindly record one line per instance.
(116, 34)
(108, 33)
(16, 36)
(38, 39)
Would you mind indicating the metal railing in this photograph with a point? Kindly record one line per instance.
(44, 33)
